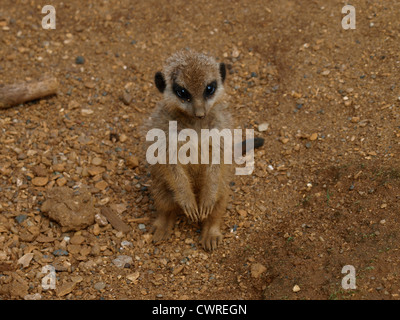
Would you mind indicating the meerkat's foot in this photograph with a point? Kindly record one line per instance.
(211, 237)
(163, 226)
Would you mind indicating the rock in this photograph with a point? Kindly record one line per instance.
(257, 269)
(101, 220)
(296, 288)
(25, 260)
(94, 171)
(77, 239)
(36, 296)
(126, 98)
(263, 127)
(99, 285)
(62, 182)
(60, 252)
(123, 137)
(122, 260)
(133, 277)
(59, 167)
(40, 181)
(86, 111)
(79, 60)
(132, 162)
(21, 218)
(96, 161)
(101, 185)
(142, 226)
(65, 288)
(313, 136)
(73, 210)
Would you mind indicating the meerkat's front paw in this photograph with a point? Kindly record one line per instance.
(191, 210)
(205, 209)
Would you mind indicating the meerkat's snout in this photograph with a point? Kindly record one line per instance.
(199, 110)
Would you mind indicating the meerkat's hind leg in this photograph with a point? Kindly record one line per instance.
(163, 225)
(211, 235)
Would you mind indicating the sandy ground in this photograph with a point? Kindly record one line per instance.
(326, 187)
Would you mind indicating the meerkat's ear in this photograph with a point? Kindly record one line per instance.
(222, 71)
(160, 82)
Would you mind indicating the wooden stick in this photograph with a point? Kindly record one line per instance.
(11, 95)
(115, 221)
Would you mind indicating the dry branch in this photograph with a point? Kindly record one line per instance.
(11, 95)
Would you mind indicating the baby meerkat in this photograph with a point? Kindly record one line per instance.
(192, 85)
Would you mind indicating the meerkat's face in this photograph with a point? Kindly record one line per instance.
(192, 82)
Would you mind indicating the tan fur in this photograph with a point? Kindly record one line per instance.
(200, 191)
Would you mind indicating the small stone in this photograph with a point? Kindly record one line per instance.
(126, 98)
(86, 111)
(60, 252)
(325, 72)
(132, 162)
(133, 277)
(257, 269)
(77, 239)
(122, 260)
(96, 229)
(123, 137)
(94, 171)
(308, 145)
(101, 185)
(97, 161)
(313, 136)
(62, 182)
(99, 285)
(21, 218)
(25, 260)
(100, 220)
(36, 296)
(284, 140)
(65, 288)
(355, 119)
(263, 127)
(59, 167)
(142, 226)
(40, 181)
(22, 156)
(296, 288)
(80, 60)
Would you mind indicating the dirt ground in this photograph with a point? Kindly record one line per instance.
(325, 192)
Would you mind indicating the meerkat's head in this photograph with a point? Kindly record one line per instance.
(192, 82)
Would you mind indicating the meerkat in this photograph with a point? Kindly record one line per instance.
(192, 85)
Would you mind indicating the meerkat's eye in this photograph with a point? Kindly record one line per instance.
(210, 89)
(181, 92)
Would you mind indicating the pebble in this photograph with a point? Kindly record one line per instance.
(122, 260)
(65, 288)
(79, 60)
(60, 252)
(132, 162)
(99, 285)
(313, 136)
(257, 269)
(296, 288)
(40, 181)
(96, 161)
(263, 127)
(142, 226)
(21, 218)
(101, 185)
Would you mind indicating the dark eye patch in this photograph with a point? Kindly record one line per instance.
(181, 92)
(210, 89)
